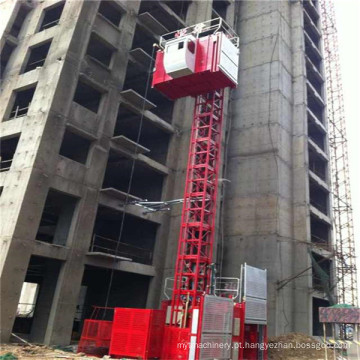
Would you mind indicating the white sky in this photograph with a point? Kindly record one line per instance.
(348, 21)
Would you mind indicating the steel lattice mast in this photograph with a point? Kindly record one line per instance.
(346, 272)
(192, 268)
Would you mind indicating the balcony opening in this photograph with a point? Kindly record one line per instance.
(110, 11)
(317, 165)
(219, 9)
(22, 102)
(319, 197)
(317, 326)
(313, 53)
(75, 147)
(36, 298)
(317, 62)
(7, 152)
(179, 7)
(52, 16)
(321, 272)
(137, 240)
(142, 39)
(156, 140)
(146, 183)
(19, 20)
(314, 78)
(37, 56)
(320, 232)
(312, 11)
(316, 135)
(315, 106)
(137, 81)
(5, 55)
(100, 50)
(56, 218)
(87, 96)
(311, 31)
(162, 15)
(128, 290)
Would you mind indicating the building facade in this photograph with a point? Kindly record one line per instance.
(83, 137)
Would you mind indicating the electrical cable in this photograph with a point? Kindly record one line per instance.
(130, 181)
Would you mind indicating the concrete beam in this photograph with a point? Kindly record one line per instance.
(113, 203)
(51, 251)
(120, 265)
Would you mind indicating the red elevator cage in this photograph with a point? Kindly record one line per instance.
(95, 337)
(96, 334)
(137, 333)
(207, 76)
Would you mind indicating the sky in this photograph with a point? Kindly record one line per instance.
(348, 24)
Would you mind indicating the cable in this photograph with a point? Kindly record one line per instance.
(130, 182)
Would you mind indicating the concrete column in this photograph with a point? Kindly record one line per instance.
(67, 290)
(258, 201)
(8, 10)
(301, 227)
(64, 223)
(27, 182)
(44, 301)
(13, 276)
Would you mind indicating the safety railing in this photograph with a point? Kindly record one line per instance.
(33, 65)
(227, 287)
(18, 111)
(113, 247)
(203, 29)
(320, 242)
(5, 165)
(49, 24)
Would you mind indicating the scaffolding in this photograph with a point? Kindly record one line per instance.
(345, 260)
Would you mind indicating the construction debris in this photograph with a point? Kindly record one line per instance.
(32, 351)
(297, 346)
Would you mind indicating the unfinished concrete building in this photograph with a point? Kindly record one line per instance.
(75, 93)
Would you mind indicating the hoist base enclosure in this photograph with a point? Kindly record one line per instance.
(217, 330)
(137, 333)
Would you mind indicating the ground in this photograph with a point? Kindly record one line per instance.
(296, 346)
(286, 347)
(31, 352)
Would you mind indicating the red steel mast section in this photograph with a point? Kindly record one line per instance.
(195, 249)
